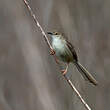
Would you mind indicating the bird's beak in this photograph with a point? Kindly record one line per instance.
(50, 33)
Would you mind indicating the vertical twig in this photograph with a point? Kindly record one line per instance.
(48, 43)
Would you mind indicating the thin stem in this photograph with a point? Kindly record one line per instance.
(49, 45)
(37, 23)
(77, 93)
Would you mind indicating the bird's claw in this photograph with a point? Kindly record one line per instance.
(64, 72)
(52, 52)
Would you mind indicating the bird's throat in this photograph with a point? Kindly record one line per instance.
(58, 43)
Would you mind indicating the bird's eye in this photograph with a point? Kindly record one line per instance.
(56, 33)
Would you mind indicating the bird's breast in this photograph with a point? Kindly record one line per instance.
(58, 45)
(61, 50)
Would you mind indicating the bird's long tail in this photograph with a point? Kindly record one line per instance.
(85, 73)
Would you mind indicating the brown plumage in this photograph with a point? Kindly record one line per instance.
(65, 52)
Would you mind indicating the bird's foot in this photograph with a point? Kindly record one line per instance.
(52, 52)
(64, 71)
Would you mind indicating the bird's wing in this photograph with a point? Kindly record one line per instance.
(72, 49)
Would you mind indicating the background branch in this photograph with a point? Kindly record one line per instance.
(48, 43)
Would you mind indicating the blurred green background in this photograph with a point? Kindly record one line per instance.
(30, 78)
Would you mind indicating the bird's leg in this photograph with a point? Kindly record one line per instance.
(52, 52)
(56, 59)
(65, 70)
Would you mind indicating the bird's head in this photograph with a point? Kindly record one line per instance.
(54, 34)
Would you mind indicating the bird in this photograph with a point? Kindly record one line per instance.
(65, 52)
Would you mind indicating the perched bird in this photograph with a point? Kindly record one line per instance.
(65, 52)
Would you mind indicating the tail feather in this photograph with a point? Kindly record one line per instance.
(86, 74)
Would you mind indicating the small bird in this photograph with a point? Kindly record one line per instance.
(64, 51)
